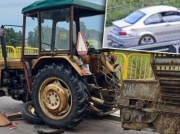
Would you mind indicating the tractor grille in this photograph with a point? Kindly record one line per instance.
(166, 69)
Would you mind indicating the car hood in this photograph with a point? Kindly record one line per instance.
(121, 23)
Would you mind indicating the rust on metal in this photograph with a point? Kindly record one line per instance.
(141, 89)
(94, 110)
(167, 124)
(71, 31)
(14, 116)
(134, 126)
(168, 73)
(147, 102)
(28, 79)
(55, 98)
(167, 61)
(133, 115)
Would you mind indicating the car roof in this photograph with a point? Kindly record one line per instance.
(157, 9)
(46, 4)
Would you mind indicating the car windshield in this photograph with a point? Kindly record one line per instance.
(134, 17)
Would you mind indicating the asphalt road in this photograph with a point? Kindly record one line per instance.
(88, 126)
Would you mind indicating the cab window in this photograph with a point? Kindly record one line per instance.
(55, 30)
(93, 34)
(31, 36)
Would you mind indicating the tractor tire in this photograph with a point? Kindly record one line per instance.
(29, 114)
(59, 96)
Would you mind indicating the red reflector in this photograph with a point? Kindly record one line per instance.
(115, 58)
(83, 71)
(122, 33)
(87, 59)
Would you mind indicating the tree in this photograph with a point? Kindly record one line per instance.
(33, 38)
(30, 38)
(14, 38)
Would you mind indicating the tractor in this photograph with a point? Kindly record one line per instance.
(58, 72)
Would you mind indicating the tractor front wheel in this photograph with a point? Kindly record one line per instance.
(59, 96)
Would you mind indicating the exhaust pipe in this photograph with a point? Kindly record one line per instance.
(101, 102)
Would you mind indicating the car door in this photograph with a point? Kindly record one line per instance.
(155, 26)
(172, 24)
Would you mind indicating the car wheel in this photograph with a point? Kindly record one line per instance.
(29, 114)
(147, 39)
(59, 96)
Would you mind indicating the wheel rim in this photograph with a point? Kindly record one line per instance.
(147, 40)
(55, 98)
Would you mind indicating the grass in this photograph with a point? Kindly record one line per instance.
(135, 65)
(138, 66)
(117, 9)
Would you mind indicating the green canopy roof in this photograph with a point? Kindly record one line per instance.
(44, 4)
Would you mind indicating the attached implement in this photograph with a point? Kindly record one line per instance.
(154, 103)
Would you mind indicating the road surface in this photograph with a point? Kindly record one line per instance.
(88, 126)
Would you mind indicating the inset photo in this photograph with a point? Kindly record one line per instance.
(143, 25)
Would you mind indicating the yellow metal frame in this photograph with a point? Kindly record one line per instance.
(130, 64)
(144, 67)
(28, 50)
(122, 59)
(10, 52)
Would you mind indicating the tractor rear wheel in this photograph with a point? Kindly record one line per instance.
(59, 96)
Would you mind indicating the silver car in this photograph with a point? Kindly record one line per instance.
(146, 26)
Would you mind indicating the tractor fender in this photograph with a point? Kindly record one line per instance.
(39, 63)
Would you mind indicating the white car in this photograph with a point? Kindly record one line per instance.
(146, 26)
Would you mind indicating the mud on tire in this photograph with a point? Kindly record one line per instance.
(68, 79)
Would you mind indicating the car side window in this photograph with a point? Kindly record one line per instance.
(170, 16)
(154, 19)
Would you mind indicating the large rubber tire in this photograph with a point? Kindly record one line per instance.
(79, 98)
(147, 37)
(28, 115)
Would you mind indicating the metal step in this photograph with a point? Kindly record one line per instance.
(166, 61)
(170, 90)
(169, 83)
(170, 79)
(170, 87)
(171, 95)
(168, 73)
(171, 68)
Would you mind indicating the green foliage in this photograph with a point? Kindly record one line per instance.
(14, 38)
(89, 34)
(33, 38)
(139, 67)
(117, 9)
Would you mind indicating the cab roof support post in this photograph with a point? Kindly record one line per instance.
(23, 37)
(71, 31)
